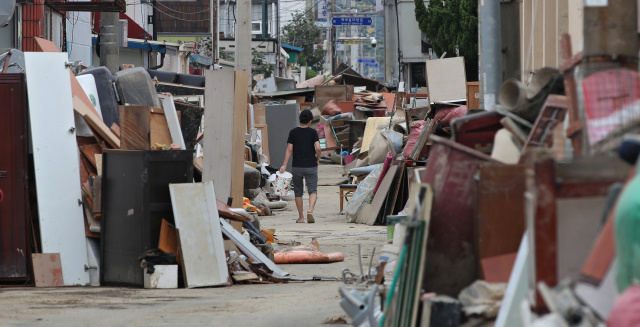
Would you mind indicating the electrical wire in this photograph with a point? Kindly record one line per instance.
(184, 13)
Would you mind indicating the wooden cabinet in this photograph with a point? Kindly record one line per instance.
(15, 250)
(473, 95)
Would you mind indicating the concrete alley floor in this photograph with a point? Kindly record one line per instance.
(292, 304)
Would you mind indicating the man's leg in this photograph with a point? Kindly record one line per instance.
(298, 185)
(312, 187)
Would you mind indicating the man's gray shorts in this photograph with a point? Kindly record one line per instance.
(310, 174)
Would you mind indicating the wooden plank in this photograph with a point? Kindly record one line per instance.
(370, 131)
(90, 151)
(95, 122)
(497, 269)
(172, 120)
(96, 195)
(47, 269)
(501, 201)
(331, 141)
(98, 158)
(425, 215)
(381, 195)
(158, 129)
(134, 127)
(264, 134)
(239, 121)
(394, 190)
(56, 164)
(196, 215)
(115, 129)
(447, 79)
(245, 277)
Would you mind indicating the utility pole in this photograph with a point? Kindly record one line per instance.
(213, 21)
(109, 40)
(491, 52)
(392, 65)
(265, 18)
(243, 37)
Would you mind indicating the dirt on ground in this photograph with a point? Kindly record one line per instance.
(293, 304)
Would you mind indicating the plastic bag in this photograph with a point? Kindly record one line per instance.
(362, 194)
(483, 298)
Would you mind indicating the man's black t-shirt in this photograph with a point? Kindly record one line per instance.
(304, 151)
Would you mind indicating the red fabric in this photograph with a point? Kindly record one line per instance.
(416, 129)
(445, 115)
(626, 309)
(385, 168)
(331, 109)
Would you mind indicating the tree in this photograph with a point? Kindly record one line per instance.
(260, 66)
(450, 23)
(302, 32)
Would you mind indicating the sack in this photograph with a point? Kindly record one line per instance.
(282, 184)
(416, 129)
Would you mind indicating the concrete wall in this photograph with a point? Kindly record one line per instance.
(79, 37)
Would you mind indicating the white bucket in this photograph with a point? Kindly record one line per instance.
(282, 184)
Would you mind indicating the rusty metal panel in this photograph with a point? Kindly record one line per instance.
(452, 247)
(14, 221)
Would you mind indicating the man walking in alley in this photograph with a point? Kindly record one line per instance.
(304, 144)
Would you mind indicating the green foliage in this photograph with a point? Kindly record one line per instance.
(311, 73)
(304, 33)
(260, 66)
(450, 23)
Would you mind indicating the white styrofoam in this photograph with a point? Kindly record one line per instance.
(88, 84)
(164, 276)
(57, 170)
(172, 120)
(196, 216)
(517, 288)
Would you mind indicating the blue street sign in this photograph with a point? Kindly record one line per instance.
(341, 21)
(367, 60)
(371, 65)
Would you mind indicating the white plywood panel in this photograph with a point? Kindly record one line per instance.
(446, 79)
(218, 131)
(172, 120)
(517, 288)
(196, 216)
(57, 170)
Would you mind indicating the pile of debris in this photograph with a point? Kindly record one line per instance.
(496, 211)
(112, 182)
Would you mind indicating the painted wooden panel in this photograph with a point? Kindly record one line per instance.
(517, 288)
(47, 269)
(134, 127)
(55, 156)
(172, 120)
(454, 87)
(196, 215)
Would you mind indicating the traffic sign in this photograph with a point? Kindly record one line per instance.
(342, 21)
(371, 65)
(366, 60)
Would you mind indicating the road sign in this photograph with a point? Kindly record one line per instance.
(371, 65)
(366, 60)
(342, 21)
(351, 42)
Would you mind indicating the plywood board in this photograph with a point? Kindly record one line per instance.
(249, 249)
(134, 127)
(447, 79)
(281, 119)
(158, 130)
(172, 120)
(98, 158)
(259, 113)
(55, 155)
(218, 131)
(380, 196)
(326, 93)
(517, 288)
(497, 269)
(168, 241)
(202, 250)
(264, 136)
(47, 269)
(370, 131)
(501, 208)
(331, 141)
(95, 123)
(239, 121)
(90, 151)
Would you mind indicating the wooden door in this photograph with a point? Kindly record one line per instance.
(14, 221)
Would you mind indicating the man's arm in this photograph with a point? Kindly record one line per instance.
(318, 152)
(286, 158)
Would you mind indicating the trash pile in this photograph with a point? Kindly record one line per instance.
(518, 215)
(112, 183)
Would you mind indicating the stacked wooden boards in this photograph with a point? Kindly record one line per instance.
(225, 124)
